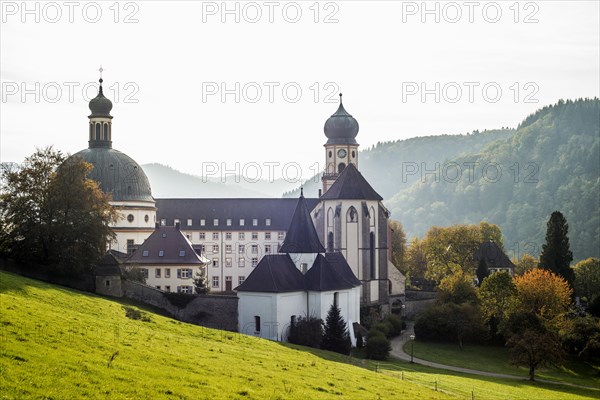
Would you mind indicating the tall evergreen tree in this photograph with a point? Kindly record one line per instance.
(556, 253)
(336, 337)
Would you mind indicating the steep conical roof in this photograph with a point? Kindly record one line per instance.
(330, 272)
(302, 236)
(350, 184)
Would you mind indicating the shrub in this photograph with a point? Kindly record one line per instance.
(378, 346)
(450, 322)
(396, 324)
(307, 332)
(383, 327)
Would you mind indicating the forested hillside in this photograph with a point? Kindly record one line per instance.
(552, 162)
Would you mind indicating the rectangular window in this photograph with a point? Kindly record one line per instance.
(254, 261)
(189, 221)
(267, 235)
(254, 235)
(167, 288)
(167, 272)
(256, 324)
(216, 222)
(215, 235)
(157, 273)
(280, 235)
(215, 262)
(176, 221)
(241, 279)
(130, 246)
(242, 262)
(242, 249)
(215, 248)
(241, 236)
(184, 289)
(158, 287)
(336, 299)
(303, 267)
(267, 249)
(163, 222)
(242, 222)
(254, 222)
(228, 222)
(107, 282)
(161, 253)
(181, 253)
(202, 222)
(203, 248)
(254, 249)
(215, 281)
(202, 235)
(145, 272)
(145, 253)
(228, 262)
(184, 273)
(268, 222)
(228, 248)
(228, 236)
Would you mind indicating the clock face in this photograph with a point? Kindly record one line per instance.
(341, 153)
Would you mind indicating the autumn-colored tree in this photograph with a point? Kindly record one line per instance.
(453, 247)
(525, 263)
(54, 215)
(531, 343)
(398, 245)
(544, 294)
(416, 258)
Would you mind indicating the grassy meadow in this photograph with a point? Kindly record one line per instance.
(57, 343)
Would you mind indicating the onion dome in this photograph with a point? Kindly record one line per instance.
(341, 127)
(100, 105)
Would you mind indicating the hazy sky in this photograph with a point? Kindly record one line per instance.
(199, 83)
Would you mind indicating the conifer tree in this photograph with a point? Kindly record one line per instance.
(336, 337)
(556, 254)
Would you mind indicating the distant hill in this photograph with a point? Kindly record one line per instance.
(552, 162)
(168, 182)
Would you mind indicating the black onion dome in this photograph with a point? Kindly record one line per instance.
(341, 127)
(117, 174)
(100, 105)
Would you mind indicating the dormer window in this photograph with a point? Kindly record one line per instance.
(145, 253)
(255, 222)
(202, 222)
(228, 222)
(268, 222)
(242, 222)
(216, 222)
(181, 253)
(161, 253)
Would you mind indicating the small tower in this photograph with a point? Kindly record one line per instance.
(100, 120)
(341, 148)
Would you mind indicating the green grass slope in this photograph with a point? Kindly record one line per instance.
(57, 343)
(60, 344)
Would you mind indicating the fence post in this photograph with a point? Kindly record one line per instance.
(376, 367)
(436, 385)
(402, 375)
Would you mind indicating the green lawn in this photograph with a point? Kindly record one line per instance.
(495, 359)
(57, 343)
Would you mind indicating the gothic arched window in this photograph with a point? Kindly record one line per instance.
(351, 216)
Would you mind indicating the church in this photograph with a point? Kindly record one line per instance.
(283, 257)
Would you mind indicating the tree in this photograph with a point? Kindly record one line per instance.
(497, 295)
(378, 346)
(416, 259)
(531, 343)
(336, 337)
(449, 322)
(451, 248)
(307, 332)
(525, 263)
(587, 279)
(556, 254)
(457, 288)
(54, 215)
(398, 245)
(544, 294)
(200, 286)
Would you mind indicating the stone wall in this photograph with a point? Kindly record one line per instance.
(212, 311)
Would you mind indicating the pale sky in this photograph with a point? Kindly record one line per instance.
(169, 63)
